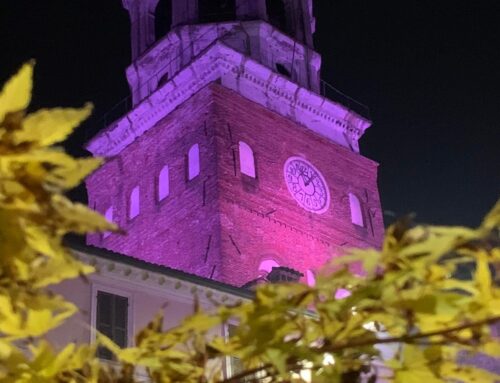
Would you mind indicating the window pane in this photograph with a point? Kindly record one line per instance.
(247, 160)
(121, 308)
(109, 217)
(163, 183)
(112, 320)
(193, 161)
(104, 308)
(104, 353)
(120, 337)
(134, 206)
(356, 212)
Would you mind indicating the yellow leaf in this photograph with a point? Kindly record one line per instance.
(66, 267)
(54, 157)
(16, 93)
(492, 348)
(5, 349)
(103, 340)
(416, 375)
(78, 218)
(69, 176)
(48, 126)
(492, 219)
(482, 276)
(35, 321)
(466, 374)
(41, 241)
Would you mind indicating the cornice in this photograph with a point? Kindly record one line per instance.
(116, 273)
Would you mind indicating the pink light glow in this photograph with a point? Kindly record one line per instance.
(342, 293)
(267, 265)
(310, 278)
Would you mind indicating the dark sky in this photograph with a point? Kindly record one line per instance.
(429, 71)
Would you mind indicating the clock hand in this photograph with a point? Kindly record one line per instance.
(309, 180)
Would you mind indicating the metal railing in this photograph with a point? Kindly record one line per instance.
(332, 93)
(125, 105)
(326, 90)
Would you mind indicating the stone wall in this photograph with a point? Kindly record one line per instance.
(260, 220)
(176, 230)
(222, 223)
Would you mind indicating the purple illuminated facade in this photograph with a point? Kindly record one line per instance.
(230, 162)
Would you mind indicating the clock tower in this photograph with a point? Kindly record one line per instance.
(231, 161)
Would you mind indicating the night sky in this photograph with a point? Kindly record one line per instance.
(428, 70)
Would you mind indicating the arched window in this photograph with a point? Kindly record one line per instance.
(134, 205)
(163, 79)
(109, 217)
(247, 160)
(163, 18)
(282, 69)
(266, 266)
(193, 161)
(310, 278)
(356, 210)
(217, 10)
(163, 183)
(276, 14)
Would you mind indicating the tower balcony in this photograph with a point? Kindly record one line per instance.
(255, 39)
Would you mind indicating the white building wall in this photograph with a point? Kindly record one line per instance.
(148, 293)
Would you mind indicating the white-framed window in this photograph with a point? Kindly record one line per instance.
(163, 183)
(109, 217)
(193, 161)
(356, 210)
(134, 203)
(247, 159)
(234, 365)
(112, 316)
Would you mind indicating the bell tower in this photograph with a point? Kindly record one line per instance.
(274, 33)
(230, 161)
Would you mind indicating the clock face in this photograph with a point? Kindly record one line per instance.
(306, 185)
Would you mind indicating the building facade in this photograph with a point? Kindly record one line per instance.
(230, 165)
(231, 162)
(125, 294)
(230, 168)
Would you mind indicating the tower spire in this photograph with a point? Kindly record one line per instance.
(293, 17)
(142, 24)
(274, 33)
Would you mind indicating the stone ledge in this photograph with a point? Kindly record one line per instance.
(253, 81)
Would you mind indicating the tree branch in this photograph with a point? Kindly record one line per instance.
(403, 339)
(410, 338)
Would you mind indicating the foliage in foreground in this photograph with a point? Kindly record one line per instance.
(408, 298)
